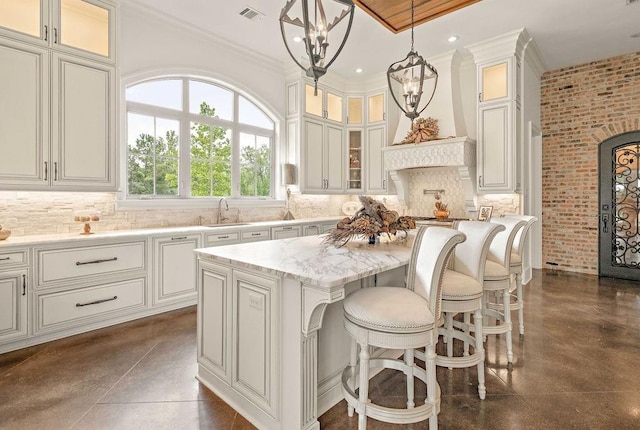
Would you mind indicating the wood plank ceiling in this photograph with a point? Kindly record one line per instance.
(396, 14)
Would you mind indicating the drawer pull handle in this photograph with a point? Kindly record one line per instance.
(179, 238)
(5, 258)
(287, 228)
(79, 305)
(256, 234)
(223, 237)
(81, 263)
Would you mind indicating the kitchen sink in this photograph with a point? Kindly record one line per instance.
(231, 224)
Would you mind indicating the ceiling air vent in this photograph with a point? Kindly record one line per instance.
(251, 14)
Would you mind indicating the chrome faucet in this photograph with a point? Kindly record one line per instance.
(226, 204)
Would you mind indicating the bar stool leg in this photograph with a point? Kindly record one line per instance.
(364, 387)
(409, 361)
(353, 360)
(477, 319)
(506, 300)
(467, 323)
(520, 304)
(430, 367)
(449, 326)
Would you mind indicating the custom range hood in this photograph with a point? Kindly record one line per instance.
(457, 150)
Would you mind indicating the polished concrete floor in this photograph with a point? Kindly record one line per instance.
(575, 368)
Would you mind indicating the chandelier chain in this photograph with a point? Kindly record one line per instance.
(411, 25)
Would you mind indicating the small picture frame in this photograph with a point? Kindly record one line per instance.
(484, 213)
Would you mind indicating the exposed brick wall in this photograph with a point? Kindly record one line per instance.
(581, 106)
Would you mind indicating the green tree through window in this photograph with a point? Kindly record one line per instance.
(159, 159)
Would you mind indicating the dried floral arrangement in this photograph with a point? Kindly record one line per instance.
(371, 220)
(422, 130)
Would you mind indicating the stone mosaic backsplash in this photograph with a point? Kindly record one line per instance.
(28, 213)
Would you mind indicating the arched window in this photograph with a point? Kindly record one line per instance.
(191, 138)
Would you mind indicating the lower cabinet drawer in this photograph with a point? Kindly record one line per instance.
(68, 264)
(82, 305)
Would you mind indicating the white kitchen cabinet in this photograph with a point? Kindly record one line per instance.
(255, 235)
(377, 179)
(78, 287)
(238, 331)
(285, 232)
(220, 237)
(499, 104)
(327, 104)
(355, 160)
(323, 150)
(355, 110)
(377, 107)
(83, 27)
(60, 110)
(214, 326)
(83, 147)
(67, 264)
(89, 304)
(320, 228)
(174, 269)
(13, 295)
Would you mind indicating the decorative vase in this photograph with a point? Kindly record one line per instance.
(441, 214)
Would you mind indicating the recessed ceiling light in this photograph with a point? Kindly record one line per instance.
(297, 39)
(453, 38)
(359, 70)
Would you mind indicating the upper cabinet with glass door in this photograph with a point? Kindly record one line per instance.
(376, 108)
(325, 104)
(355, 105)
(85, 27)
(496, 81)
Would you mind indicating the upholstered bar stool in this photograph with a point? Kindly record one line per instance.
(400, 318)
(497, 281)
(462, 293)
(517, 267)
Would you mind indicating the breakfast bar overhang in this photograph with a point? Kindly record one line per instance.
(270, 337)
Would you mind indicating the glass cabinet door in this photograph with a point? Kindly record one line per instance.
(355, 160)
(85, 25)
(23, 16)
(494, 82)
(375, 108)
(334, 107)
(354, 110)
(313, 103)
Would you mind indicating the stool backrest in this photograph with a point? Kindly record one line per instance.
(431, 250)
(469, 257)
(521, 235)
(502, 244)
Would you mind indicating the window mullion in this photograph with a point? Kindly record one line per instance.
(184, 184)
(235, 150)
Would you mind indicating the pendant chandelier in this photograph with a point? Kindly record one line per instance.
(307, 20)
(412, 81)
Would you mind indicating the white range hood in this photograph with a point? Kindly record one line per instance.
(457, 150)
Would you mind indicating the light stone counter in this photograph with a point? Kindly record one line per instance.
(313, 262)
(30, 240)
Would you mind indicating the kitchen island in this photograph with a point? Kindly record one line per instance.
(270, 337)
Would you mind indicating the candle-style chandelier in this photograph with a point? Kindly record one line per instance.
(412, 81)
(307, 21)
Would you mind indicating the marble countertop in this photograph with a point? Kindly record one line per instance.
(18, 241)
(313, 262)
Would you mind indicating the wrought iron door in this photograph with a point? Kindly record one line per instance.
(619, 203)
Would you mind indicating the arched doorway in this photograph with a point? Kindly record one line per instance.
(619, 203)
